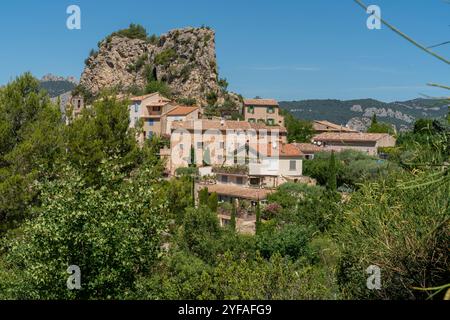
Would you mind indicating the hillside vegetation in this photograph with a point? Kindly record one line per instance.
(86, 194)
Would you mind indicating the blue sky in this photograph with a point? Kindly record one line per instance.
(285, 49)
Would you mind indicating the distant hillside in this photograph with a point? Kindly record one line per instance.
(58, 87)
(358, 113)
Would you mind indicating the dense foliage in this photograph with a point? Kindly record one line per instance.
(87, 194)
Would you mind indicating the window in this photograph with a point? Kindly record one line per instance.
(252, 120)
(156, 109)
(136, 108)
(270, 110)
(224, 179)
(220, 157)
(79, 104)
(292, 165)
(239, 180)
(251, 109)
(199, 145)
(150, 122)
(149, 135)
(270, 122)
(181, 146)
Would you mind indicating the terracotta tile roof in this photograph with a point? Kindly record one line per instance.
(239, 192)
(225, 125)
(290, 150)
(307, 147)
(287, 150)
(331, 126)
(349, 136)
(260, 102)
(160, 100)
(182, 111)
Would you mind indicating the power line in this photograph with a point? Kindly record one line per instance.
(390, 26)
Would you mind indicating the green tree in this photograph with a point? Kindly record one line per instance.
(200, 230)
(258, 218)
(102, 132)
(233, 217)
(332, 181)
(112, 233)
(213, 202)
(379, 127)
(203, 196)
(298, 130)
(30, 146)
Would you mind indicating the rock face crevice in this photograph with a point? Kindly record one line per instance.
(185, 59)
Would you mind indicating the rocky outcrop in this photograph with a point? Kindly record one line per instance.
(49, 77)
(185, 59)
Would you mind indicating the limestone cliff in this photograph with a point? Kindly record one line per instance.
(185, 59)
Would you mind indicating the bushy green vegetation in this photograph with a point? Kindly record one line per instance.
(158, 86)
(165, 57)
(380, 127)
(298, 130)
(86, 194)
(351, 168)
(134, 31)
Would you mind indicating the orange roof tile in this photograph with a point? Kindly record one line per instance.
(260, 102)
(239, 192)
(182, 111)
(307, 147)
(225, 125)
(332, 126)
(349, 136)
(140, 98)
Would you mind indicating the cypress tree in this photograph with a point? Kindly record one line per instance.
(213, 202)
(203, 196)
(374, 119)
(233, 217)
(332, 181)
(258, 218)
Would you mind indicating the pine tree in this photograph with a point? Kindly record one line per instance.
(332, 181)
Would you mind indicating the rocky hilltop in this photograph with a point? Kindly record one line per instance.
(357, 114)
(184, 59)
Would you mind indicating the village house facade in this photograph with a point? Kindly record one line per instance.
(263, 110)
(244, 186)
(368, 143)
(220, 142)
(152, 110)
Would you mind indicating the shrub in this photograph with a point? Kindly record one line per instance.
(134, 31)
(165, 57)
(158, 86)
